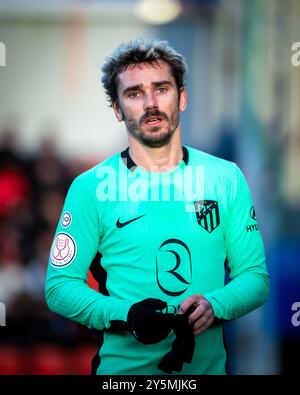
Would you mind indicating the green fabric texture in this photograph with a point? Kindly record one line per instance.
(156, 242)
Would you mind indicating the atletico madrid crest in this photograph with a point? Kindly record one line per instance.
(207, 213)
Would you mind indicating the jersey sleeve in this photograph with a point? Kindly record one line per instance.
(248, 287)
(74, 246)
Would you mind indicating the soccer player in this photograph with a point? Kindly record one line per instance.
(156, 224)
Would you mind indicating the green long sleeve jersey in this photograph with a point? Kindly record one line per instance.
(163, 235)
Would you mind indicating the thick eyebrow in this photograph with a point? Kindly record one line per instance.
(140, 86)
(159, 83)
(132, 88)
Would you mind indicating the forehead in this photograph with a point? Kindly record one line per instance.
(145, 73)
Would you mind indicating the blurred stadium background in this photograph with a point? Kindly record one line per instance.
(244, 106)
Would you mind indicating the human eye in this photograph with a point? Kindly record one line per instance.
(161, 89)
(133, 94)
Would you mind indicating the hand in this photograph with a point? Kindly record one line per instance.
(203, 315)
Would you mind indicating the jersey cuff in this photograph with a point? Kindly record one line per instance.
(117, 310)
(215, 306)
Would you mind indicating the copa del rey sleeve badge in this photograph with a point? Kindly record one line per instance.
(63, 250)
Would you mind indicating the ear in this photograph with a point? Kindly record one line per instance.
(182, 99)
(117, 111)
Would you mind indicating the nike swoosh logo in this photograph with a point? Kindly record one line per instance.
(121, 224)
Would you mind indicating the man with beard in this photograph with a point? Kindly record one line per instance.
(156, 223)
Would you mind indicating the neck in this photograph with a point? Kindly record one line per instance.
(157, 159)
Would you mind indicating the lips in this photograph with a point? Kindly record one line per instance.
(154, 120)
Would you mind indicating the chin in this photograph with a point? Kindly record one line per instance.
(156, 141)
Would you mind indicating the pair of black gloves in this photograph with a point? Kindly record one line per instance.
(150, 325)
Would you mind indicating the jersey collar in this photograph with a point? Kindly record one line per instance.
(129, 163)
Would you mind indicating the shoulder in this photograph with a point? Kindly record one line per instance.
(90, 176)
(219, 174)
(88, 181)
(212, 164)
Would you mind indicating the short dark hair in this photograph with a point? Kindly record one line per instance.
(140, 51)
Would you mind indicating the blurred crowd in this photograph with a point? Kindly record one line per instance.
(32, 192)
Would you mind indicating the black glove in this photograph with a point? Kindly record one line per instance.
(147, 324)
(183, 346)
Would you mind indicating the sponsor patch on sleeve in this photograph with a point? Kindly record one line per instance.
(66, 219)
(63, 250)
(252, 227)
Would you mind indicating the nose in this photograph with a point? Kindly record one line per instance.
(150, 101)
